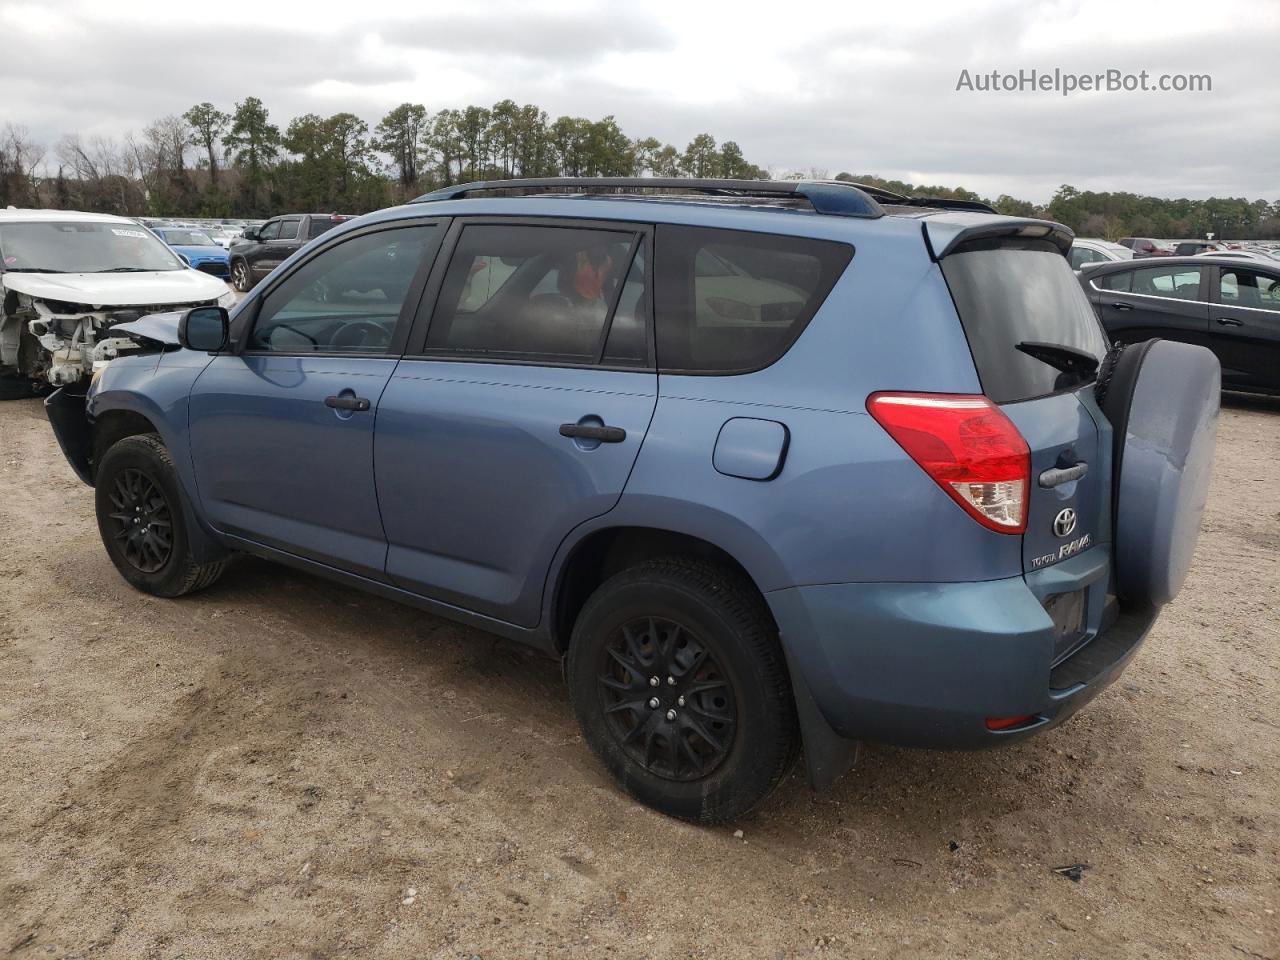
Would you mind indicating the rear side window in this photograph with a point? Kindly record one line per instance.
(1122, 281)
(732, 302)
(288, 230)
(543, 294)
(1008, 292)
(1179, 283)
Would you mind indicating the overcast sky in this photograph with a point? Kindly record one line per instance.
(862, 87)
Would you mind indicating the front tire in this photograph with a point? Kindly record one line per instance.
(698, 641)
(141, 519)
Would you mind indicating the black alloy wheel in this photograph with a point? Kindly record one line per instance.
(668, 703)
(143, 520)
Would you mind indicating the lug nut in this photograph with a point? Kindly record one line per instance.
(654, 681)
(671, 714)
(654, 704)
(671, 681)
(680, 701)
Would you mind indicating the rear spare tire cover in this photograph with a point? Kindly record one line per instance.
(1162, 400)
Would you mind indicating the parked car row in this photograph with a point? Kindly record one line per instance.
(1142, 247)
(760, 500)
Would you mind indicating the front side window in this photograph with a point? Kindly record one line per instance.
(539, 293)
(347, 299)
(63, 246)
(731, 301)
(1248, 288)
(271, 231)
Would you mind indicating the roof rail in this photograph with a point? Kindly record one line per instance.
(825, 196)
(940, 203)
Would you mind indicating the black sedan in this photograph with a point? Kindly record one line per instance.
(1229, 305)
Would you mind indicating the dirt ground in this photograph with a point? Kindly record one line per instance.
(279, 768)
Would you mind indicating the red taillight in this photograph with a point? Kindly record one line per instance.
(968, 446)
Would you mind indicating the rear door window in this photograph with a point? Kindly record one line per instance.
(731, 302)
(288, 230)
(1175, 282)
(1007, 292)
(543, 294)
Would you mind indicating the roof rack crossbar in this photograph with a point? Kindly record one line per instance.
(829, 197)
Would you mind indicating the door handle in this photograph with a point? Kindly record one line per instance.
(347, 402)
(1057, 476)
(1230, 322)
(1121, 306)
(585, 431)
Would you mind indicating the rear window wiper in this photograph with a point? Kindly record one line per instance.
(1061, 357)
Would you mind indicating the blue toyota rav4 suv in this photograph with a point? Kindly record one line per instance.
(772, 467)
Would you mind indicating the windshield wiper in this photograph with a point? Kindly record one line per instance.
(125, 270)
(1061, 357)
(32, 270)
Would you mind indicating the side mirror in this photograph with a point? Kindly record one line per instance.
(185, 259)
(205, 329)
(250, 233)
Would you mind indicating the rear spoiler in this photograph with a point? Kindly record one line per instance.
(945, 232)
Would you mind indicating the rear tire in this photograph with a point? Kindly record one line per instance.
(722, 735)
(241, 278)
(142, 520)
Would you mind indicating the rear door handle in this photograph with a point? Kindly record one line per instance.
(1121, 306)
(586, 431)
(1230, 322)
(1057, 476)
(347, 402)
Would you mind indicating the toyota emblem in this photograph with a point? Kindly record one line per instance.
(1064, 524)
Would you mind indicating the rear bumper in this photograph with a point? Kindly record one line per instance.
(70, 421)
(926, 665)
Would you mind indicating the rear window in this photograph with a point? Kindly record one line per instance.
(731, 302)
(320, 225)
(1007, 292)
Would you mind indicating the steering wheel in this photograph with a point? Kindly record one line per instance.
(356, 333)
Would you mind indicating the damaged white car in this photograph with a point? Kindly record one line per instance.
(67, 278)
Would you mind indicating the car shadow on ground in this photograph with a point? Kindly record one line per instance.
(1251, 401)
(910, 793)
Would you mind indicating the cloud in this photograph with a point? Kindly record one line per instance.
(866, 90)
(559, 37)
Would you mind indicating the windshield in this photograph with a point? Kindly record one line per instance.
(70, 247)
(187, 238)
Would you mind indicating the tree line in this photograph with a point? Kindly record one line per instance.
(1112, 216)
(207, 162)
(213, 163)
